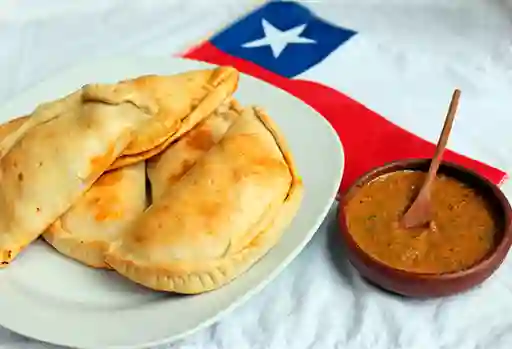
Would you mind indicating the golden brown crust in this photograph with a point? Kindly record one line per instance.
(157, 136)
(170, 165)
(87, 229)
(183, 101)
(196, 276)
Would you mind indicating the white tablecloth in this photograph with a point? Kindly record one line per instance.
(319, 301)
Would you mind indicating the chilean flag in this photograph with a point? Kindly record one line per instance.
(284, 43)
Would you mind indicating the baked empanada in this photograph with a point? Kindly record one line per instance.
(170, 165)
(87, 229)
(220, 218)
(54, 162)
(183, 101)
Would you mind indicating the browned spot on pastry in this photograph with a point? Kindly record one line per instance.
(105, 202)
(238, 174)
(109, 179)
(20, 176)
(106, 207)
(210, 209)
(50, 134)
(185, 166)
(140, 237)
(9, 162)
(101, 162)
(200, 139)
(107, 214)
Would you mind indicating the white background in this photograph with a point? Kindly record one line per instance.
(413, 53)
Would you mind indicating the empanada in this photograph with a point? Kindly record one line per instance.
(183, 101)
(220, 218)
(170, 165)
(54, 162)
(87, 229)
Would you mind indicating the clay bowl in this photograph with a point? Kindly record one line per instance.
(431, 285)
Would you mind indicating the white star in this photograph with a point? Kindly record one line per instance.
(277, 39)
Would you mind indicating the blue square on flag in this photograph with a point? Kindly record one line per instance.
(283, 37)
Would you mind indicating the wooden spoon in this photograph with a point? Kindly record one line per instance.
(420, 212)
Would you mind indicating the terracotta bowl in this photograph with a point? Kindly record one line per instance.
(431, 285)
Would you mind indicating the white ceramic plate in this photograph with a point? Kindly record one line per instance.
(46, 296)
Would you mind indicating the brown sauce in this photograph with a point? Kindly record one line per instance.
(460, 235)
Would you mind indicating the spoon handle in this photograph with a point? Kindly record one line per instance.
(443, 139)
(420, 212)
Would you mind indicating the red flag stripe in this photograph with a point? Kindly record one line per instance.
(369, 139)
